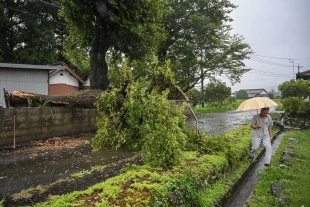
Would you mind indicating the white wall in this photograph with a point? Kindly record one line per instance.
(32, 81)
(66, 78)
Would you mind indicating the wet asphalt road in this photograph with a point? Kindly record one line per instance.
(218, 123)
(24, 171)
(32, 168)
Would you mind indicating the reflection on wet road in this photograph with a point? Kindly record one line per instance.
(218, 123)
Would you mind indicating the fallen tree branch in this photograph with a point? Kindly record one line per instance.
(192, 111)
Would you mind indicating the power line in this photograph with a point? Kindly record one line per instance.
(272, 57)
(269, 73)
(265, 71)
(266, 74)
(301, 58)
(278, 78)
(269, 62)
(53, 5)
(280, 57)
(30, 14)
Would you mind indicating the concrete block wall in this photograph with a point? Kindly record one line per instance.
(39, 123)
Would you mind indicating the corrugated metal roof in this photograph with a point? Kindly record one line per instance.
(35, 67)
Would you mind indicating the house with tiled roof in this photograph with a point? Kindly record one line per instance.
(256, 92)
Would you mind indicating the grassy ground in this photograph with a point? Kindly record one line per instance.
(295, 180)
(215, 109)
(200, 180)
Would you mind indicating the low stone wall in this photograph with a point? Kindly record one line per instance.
(39, 123)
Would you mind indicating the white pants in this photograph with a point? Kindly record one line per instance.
(266, 142)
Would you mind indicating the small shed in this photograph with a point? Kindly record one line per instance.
(63, 82)
(25, 77)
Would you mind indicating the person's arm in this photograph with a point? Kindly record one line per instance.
(270, 127)
(254, 124)
(270, 132)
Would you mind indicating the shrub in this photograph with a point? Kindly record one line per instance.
(271, 95)
(291, 106)
(146, 119)
(230, 100)
(295, 88)
(242, 94)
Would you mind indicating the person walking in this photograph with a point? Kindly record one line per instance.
(262, 133)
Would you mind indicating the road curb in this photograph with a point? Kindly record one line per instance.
(224, 201)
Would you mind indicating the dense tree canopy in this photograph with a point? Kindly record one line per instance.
(242, 94)
(199, 43)
(194, 35)
(30, 32)
(217, 92)
(299, 88)
(128, 27)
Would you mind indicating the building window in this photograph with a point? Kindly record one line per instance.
(61, 74)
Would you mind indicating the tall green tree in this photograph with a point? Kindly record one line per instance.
(217, 92)
(299, 88)
(31, 32)
(129, 27)
(242, 94)
(199, 42)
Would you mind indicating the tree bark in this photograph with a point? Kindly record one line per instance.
(82, 99)
(98, 65)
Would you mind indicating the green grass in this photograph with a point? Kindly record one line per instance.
(216, 109)
(295, 181)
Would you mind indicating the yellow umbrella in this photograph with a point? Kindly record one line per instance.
(256, 103)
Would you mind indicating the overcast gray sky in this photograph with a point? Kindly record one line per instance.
(275, 28)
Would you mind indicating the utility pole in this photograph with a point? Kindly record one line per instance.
(292, 61)
(298, 70)
(299, 67)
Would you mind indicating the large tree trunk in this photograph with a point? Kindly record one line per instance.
(98, 65)
(82, 99)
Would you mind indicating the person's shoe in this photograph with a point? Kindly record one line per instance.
(267, 165)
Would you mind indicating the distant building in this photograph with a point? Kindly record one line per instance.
(256, 92)
(303, 75)
(253, 93)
